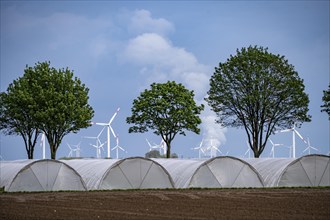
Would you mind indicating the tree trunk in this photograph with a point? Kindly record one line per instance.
(52, 152)
(30, 153)
(256, 154)
(168, 151)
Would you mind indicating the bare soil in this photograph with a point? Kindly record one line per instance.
(288, 203)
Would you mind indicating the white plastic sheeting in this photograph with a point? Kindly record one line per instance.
(213, 173)
(129, 173)
(310, 170)
(39, 175)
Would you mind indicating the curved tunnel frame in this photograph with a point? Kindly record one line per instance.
(297, 161)
(227, 157)
(118, 163)
(28, 165)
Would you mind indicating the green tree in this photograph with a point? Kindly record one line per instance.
(156, 154)
(168, 109)
(259, 91)
(17, 113)
(153, 154)
(56, 103)
(326, 100)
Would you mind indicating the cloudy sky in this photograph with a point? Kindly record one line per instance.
(118, 48)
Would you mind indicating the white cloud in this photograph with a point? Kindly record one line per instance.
(142, 22)
(161, 61)
(158, 56)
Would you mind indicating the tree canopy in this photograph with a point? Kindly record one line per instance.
(56, 103)
(156, 154)
(260, 92)
(326, 100)
(168, 109)
(17, 113)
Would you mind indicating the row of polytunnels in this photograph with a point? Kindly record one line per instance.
(142, 173)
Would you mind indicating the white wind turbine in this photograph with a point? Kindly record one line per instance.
(309, 147)
(213, 149)
(294, 132)
(76, 149)
(98, 144)
(71, 150)
(109, 128)
(117, 147)
(248, 151)
(98, 149)
(163, 146)
(272, 152)
(43, 144)
(200, 149)
(290, 150)
(152, 147)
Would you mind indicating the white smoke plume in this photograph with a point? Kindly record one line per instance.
(160, 61)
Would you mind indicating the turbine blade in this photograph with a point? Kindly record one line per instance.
(113, 117)
(286, 130)
(113, 133)
(90, 137)
(301, 137)
(102, 124)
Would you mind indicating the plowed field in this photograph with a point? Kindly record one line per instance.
(298, 203)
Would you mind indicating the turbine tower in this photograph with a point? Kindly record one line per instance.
(200, 149)
(117, 147)
(213, 149)
(71, 150)
(98, 144)
(43, 145)
(272, 152)
(309, 147)
(248, 151)
(98, 149)
(109, 128)
(163, 146)
(152, 147)
(76, 149)
(294, 132)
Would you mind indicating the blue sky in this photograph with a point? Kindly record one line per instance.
(118, 48)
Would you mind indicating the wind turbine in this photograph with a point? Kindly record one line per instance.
(163, 146)
(213, 149)
(98, 144)
(108, 125)
(290, 151)
(43, 144)
(152, 147)
(248, 151)
(117, 147)
(294, 132)
(76, 150)
(272, 152)
(98, 149)
(71, 150)
(200, 149)
(309, 147)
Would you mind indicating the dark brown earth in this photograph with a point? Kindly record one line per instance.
(296, 203)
